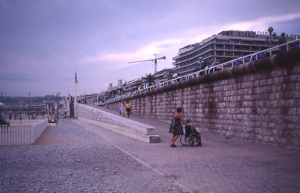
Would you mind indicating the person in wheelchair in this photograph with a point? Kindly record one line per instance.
(190, 128)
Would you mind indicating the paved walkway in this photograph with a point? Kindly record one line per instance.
(220, 165)
(69, 158)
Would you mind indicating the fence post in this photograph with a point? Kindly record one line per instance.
(32, 137)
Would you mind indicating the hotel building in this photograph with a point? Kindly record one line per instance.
(222, 47)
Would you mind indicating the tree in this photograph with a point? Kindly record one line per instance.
(149, 78)
(112, 93)
(119, 91)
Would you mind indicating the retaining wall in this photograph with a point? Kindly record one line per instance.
(259, 100)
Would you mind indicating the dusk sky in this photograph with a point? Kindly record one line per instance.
(44, 42)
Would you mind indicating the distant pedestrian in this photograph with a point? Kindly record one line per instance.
(122, 109)
(170, 76)
(178, 77)
(207, 68)
(20, 117)
(175, 127)
(128, 106)
(282, 40)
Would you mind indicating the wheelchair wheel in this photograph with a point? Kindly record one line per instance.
(193, 139)
(184, 140)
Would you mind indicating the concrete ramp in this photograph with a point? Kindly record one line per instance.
(117, 124)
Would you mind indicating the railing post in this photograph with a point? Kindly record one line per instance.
(32, 135)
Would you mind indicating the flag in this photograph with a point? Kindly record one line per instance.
(76, 81)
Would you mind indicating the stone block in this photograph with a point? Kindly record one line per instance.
(154, 139)
(297, 87)
(274, 103)
(292, 111)
(297, 69)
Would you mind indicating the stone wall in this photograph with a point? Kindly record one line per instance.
(258, 101)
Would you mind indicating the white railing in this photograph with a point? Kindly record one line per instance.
(257, 55)
(251, 57)
(22, 134)
(15, 135)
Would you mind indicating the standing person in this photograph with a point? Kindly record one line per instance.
(175, 127)
(20, 117)
(122, 109)
(170, 76)
(282, 40)
(128, 106)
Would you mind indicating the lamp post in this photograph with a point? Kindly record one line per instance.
(57, 108)
(29, 107)
(270, 30)
(200, 62)
(75, 101)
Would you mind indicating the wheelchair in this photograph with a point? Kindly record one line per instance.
(189, 137)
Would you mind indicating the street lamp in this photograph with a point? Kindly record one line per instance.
(270, 30)
(200, 62)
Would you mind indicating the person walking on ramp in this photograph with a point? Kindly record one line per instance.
(128, 106)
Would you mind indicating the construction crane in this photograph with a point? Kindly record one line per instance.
(155, 61)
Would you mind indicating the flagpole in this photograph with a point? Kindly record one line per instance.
(75, 102)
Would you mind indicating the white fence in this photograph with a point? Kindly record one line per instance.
(22, 134)
(15, 135)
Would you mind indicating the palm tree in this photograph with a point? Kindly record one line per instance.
(112, 93)
(149, 78)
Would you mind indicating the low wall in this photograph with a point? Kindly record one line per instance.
(37, 130)
(24, 122)
(117, 124)
(259, 101)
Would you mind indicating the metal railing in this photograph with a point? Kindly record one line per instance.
(257, 55)
(237, 61)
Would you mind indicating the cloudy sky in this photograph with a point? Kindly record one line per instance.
(44, 42)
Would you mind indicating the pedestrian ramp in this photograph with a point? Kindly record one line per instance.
(116, 123)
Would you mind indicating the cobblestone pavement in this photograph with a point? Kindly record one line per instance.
(220, 165)
(69, 158)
